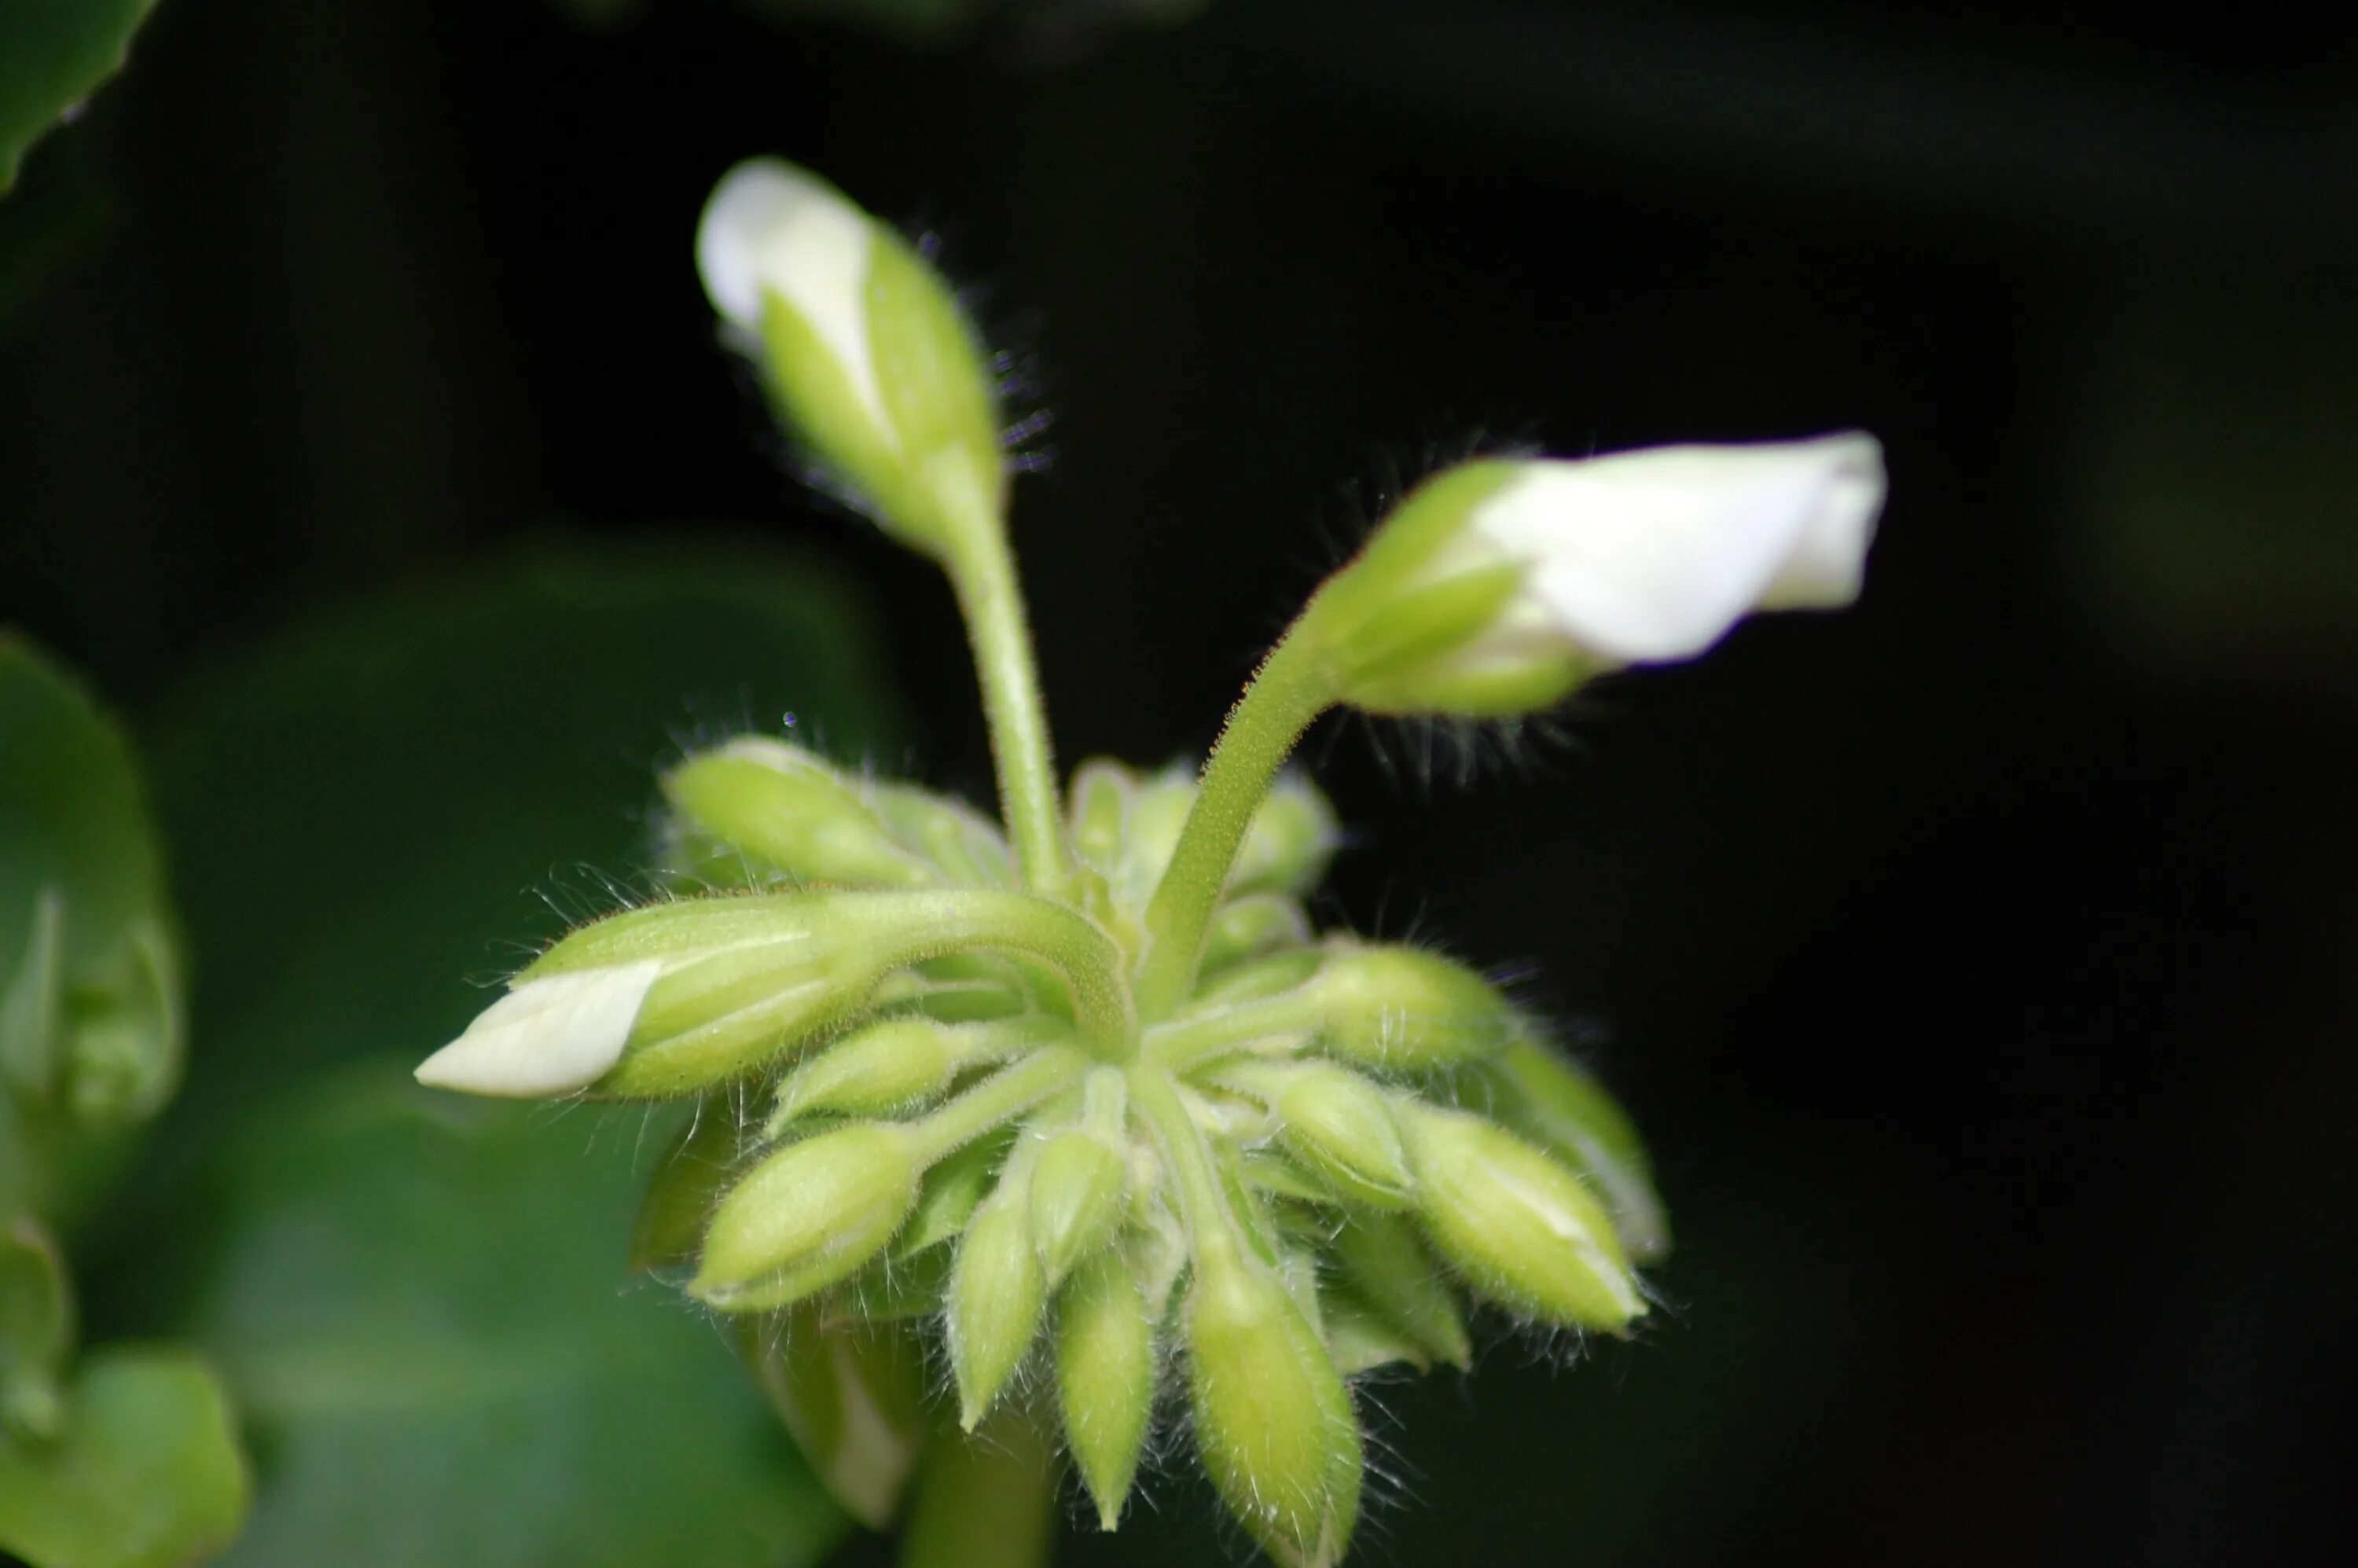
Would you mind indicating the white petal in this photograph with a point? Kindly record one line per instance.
(770, 228)
(1653, 556)
(547, 1036)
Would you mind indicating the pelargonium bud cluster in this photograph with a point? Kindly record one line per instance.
(912, 1115)
(1088, 1110)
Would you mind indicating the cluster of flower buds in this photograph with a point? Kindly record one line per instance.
(909, 1110)
(1092, 1106)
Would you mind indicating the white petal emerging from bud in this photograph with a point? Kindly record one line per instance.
(548, 1036)
(770, 228)
(1647, 557)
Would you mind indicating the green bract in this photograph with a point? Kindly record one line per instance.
(1061, 1105)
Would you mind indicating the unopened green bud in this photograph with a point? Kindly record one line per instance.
(1338, 1124)
(1100, 801)
(953, 1189)
(703, 1159)
(1258, 979)
(1079, 1196)
(786, 808)
(1385, 1269)
(852, 1395)
(1251, 926)
(1568, 1112)
(1294, 834)
(965, 844)
(806, 1216)
(1273, 1420)
(863, 348)
(1360, 1339)
(1105, 1376)
(1519, 1227)
(1401, 1009)
(35, 1330)
(880, 1069)
(1124, 821)
(997, 1295)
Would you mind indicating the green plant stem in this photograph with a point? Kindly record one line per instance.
(982, 570)
(1203, 1205)
(997, 1100)
(1291, 688)
(1181, 1047)
(985, 1501)
(928, 924)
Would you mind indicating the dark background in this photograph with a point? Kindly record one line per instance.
(1979, 962)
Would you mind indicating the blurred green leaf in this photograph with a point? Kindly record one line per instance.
(423, 1302)
(144, 1474)
(379, 812)
(423, 1305)
(90, 1026)
(54, 54)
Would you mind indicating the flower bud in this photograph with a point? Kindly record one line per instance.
(953, 1189)
(862, 345)
(1105, 1376)
(997, 1295)
(852, 1396)
(961, 841)
(1337, 1124)
(1496, 587)
(1293, 836)
(1568, 1113)
(1258, 979)
(806, 1216)
(1080, 1192)
(1251, 926)
(1380, 1261)
(675, 998)
(785, 808)
(1273, 1420)
(880, 1069)
(1520, 1228)
(1405, 1011)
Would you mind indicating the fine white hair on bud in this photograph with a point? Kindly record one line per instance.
(1653, 556)
(770, 228)
(547, 1036)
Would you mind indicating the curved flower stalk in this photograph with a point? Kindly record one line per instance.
(1092, 1106)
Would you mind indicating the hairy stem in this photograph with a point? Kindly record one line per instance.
(928, 924)
(981, 569)
(1291, 689)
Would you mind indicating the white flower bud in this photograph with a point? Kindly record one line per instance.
(863, 348)
(1496, 588)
